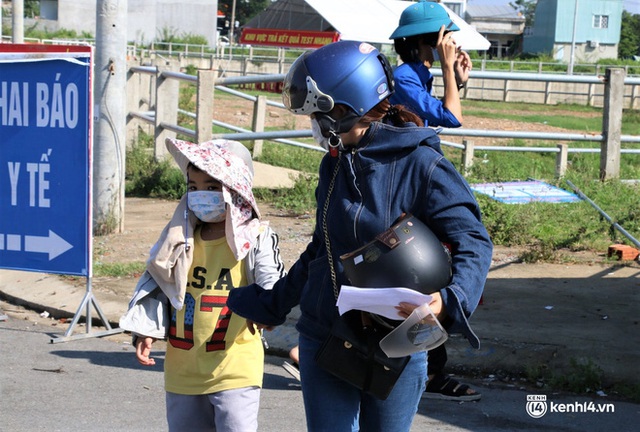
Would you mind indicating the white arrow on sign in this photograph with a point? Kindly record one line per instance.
(54, 245)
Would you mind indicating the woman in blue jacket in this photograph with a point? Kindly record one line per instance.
(380, 164)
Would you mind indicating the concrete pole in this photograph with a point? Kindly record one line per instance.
(110, 71)
(612, 123)
(259, 114)
(17, 21)
(204, 108)
(232, 25)
(573, 38)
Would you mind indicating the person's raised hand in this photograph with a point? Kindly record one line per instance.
(462, 67)
(447, 48)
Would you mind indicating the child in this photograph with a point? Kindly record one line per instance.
(214, 243)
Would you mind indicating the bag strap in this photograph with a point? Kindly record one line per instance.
(327, 242)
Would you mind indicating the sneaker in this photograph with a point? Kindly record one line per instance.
(293, 369)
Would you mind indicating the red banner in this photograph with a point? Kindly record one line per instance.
(287, 38)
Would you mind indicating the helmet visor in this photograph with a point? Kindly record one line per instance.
(301, 94)
(421, 331)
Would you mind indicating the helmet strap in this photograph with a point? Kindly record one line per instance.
(330, 126)
(335, 143)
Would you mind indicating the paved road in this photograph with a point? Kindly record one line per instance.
(95, 385)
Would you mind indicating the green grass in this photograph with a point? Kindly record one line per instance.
(548, 232)
(119, 270)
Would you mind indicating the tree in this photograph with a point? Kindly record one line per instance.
(245, 9)
(629, 45)
(31, 8)
(527, 8)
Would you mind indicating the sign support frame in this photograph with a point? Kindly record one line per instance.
(88, 300)
(56, 52)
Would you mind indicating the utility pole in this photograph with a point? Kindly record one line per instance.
(232, 25)
(17, 21)
(109, 147)
(573, 38)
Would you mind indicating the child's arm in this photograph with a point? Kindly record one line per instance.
(143, 350)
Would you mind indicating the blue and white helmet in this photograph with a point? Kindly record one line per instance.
(351, 73)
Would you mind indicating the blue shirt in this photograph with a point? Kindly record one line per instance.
(413, 84)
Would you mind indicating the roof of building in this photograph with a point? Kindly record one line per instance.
(497, 12)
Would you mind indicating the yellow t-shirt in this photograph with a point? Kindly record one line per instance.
(210, 349)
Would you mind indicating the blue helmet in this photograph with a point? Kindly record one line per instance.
(351, 73)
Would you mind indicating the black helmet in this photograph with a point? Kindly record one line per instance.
(406, 255)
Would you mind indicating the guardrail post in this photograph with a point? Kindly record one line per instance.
(467, 157)
(561, 160)
(612, 123)
(505, 90)
(204, 104)
(259, 113)
(167, 94)
(133, 104)
(547, 92)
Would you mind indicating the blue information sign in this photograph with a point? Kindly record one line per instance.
(45, 159)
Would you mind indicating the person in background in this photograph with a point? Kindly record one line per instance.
(425, 29)
(293, 367)
(214, 243)
(381, 163)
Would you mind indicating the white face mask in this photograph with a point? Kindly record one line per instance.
(208, 206)
(317, 134)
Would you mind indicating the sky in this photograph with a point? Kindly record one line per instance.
(631, 6)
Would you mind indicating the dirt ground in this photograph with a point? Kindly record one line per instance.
(238, 112)
(145, 218)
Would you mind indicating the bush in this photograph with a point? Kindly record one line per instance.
(146, 177)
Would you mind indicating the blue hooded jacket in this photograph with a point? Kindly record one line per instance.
(392, 170)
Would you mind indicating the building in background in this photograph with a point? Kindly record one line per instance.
(501, 24)
(457, 6)
(595, 36)
(147, 20)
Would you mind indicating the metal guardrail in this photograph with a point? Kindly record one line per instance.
(286, 136)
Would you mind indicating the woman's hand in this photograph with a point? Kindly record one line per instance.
(143, 351)
(447, 49)
(253, 326)
(462, 67)
(436, 306)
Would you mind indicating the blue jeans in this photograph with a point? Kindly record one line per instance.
(334, 405)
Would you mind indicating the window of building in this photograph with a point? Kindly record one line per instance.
(601, 21)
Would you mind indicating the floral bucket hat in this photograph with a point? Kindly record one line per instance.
(230, 163)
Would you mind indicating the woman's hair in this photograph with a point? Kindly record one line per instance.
(408, 48)
(397, 115)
